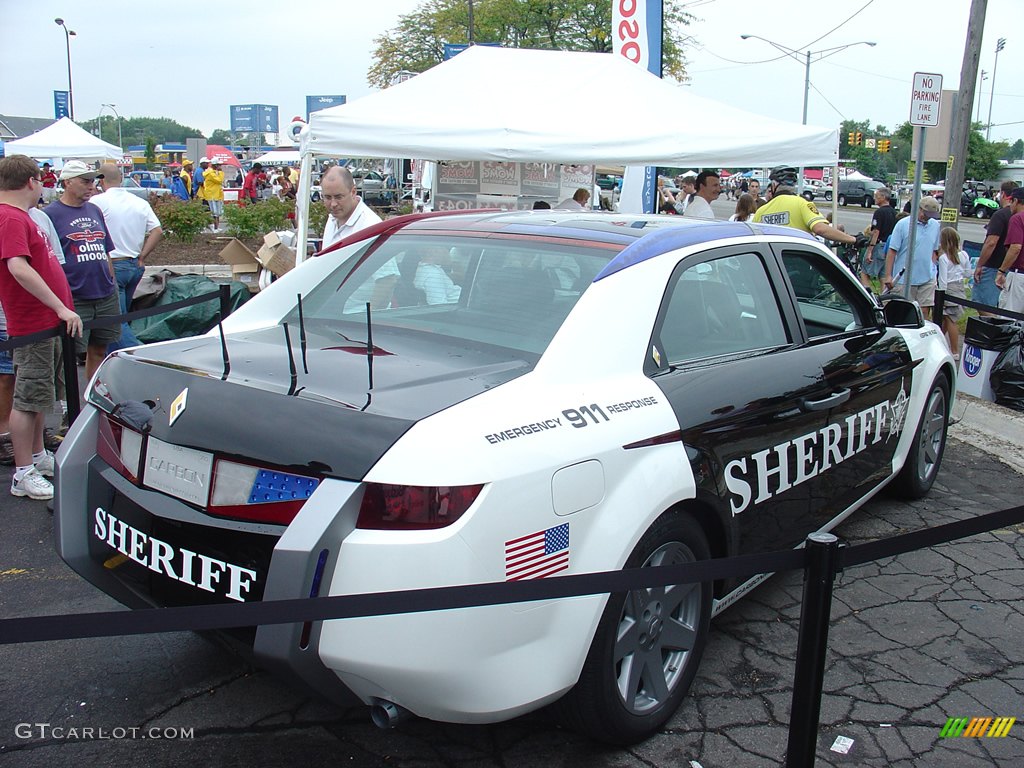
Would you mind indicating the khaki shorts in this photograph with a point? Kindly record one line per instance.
(38, 376)
(97, 309)
(923, 294)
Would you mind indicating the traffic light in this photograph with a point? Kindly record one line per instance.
(850, 138)
(883, 145)
(859, 138)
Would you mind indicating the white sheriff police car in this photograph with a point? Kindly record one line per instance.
(528, 394)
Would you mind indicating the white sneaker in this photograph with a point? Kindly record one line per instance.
(33, 485)
(45, 466)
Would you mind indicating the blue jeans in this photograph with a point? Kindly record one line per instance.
(986, 291)
(128, 273)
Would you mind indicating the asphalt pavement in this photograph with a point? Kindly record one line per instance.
(914, 640)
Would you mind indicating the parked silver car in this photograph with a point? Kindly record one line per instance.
(144, 192)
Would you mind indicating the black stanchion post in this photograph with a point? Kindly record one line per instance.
(69, 359)
(940, 303)
(225, 301)
(820, 573)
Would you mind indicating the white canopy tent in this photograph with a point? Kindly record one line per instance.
(64, 139)
(510, 104)
(279, 157)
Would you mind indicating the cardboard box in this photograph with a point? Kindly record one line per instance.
(245, 267)
(275, 255)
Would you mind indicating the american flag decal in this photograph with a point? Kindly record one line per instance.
(538, 555)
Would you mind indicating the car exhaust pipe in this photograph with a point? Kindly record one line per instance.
(387, 715)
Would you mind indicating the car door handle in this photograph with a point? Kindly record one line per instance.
(836, 398)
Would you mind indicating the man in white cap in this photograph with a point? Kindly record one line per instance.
(922, 269)
(135, 230)
(87, 246)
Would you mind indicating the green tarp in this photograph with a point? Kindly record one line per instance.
(187, 321)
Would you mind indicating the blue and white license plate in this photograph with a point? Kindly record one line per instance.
(182, 472)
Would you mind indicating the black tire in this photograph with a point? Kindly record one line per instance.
(808, 196)
(842, 199)
(981, 212)
(828, 196)
(621, 698)
(315, 197)
(918, 474)
(867, 201)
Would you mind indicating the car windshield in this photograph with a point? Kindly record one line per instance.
(509, 292)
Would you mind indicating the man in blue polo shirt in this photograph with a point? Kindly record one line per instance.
(922, 269)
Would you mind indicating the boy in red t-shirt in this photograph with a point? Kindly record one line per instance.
(36, 297)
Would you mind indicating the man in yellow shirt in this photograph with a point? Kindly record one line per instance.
(186, 175)
(786, 208)
(213, 191)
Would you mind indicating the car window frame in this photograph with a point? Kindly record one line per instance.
(783, 303)
(868, 308)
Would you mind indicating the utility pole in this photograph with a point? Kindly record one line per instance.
(965, 101)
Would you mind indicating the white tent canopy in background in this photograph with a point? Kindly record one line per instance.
(63, 139)
(514, 104)
(279, 157)
(558, 106)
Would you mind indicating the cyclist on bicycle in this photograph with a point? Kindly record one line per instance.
(787, 208)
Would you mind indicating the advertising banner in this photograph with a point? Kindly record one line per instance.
(316, 103)
(458, 177)
(499, 178)
(246, 118)
(60, 104)
(542, 180)
(574, 177)
(636, 35)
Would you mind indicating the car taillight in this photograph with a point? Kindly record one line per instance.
(413, 507)
(246, 492)
(120, 447)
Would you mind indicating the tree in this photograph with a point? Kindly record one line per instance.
(1015, 151)
(983, 157)
(134, 130)
(221, 136)
(417, 43)
(150, 151)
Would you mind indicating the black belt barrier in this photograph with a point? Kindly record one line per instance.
(821, 560)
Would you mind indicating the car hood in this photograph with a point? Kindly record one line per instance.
(325, 416)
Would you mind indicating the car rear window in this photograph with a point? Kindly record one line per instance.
(511, 292)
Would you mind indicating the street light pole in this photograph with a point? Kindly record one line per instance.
(807, 83)
(113, 108)
(981, 82)
(795, 55)
(1000, 44)
(67, 41)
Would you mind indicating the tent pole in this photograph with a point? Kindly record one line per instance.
(835, 193)
(302, 207)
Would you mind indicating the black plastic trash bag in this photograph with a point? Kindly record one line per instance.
(187, 321)
(1007, 375)
(992, 332)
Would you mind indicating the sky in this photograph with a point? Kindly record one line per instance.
(191, 60)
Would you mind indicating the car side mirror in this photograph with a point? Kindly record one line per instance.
(902, 313)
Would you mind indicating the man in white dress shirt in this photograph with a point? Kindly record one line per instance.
(348, 212)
